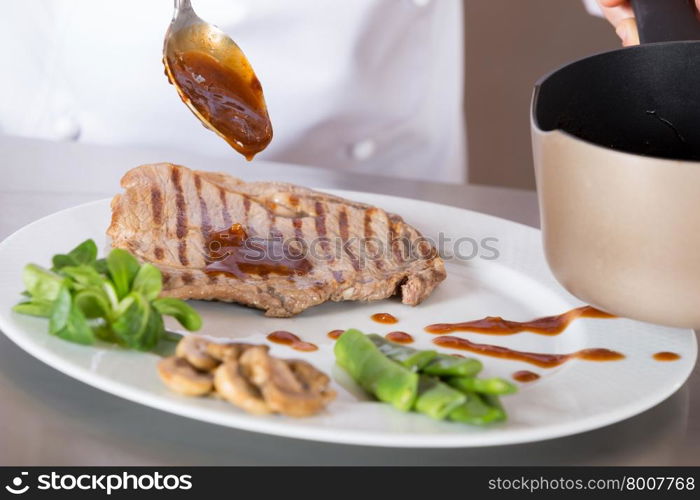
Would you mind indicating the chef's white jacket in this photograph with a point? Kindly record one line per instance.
(372, 86)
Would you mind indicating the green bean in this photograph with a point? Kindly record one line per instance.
(478, 410)
(445, 365)
(407, 356)
(388, 381)
(437, 399)
(492, 386)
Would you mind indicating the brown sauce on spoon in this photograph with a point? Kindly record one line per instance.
(231, 101)
(293, 341)
(495, 325)
(233, 253)
(399, 337)
(539, 359)
(666, 356)
(384, 318)
(525, 376)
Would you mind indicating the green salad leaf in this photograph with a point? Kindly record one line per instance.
(181, 311)
(122, 267)
(114, 300)
(42, 284)
(40, 309)
(148, 281)
(85, 253)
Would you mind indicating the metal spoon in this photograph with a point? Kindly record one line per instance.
(216, 82)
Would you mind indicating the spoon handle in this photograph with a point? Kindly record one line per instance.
(182, 5)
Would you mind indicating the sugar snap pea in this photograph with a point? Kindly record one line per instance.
(478, 410)
(407, 356)
(387, 380)
(493, 386)
(428, 362)
(437, 385)
(437, 399)
(444, 365)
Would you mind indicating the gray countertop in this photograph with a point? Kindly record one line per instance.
(47, 418)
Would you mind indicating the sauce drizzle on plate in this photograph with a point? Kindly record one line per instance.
(539, 359)
(293, 341)
(384, 318)
(495, 325)
(666, 356)
(399, 337)
(525, 376)
(335, 334)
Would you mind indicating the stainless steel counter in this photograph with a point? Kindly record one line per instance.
(47, 418)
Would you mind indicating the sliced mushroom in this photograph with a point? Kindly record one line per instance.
(221, 351)
(194, 350)
(182, 377)
(234, 387)
(284, 390)
(312, 378)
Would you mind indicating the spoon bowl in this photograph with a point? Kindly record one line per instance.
(216, 81)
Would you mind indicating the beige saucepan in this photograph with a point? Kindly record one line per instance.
(616, 140)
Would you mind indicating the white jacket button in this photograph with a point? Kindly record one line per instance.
(363, 150)
(66, 128)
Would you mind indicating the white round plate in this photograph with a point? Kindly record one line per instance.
(512, 281)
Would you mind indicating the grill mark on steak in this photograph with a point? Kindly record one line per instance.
(369, 233)
(158, 252)
(204, 211)
(224, 207)
(246, 210)
(182, 253)
(298, 225)
(181, 216)
(369, 240)
(275, 234)
(187, 278)
(320, 222)
(297, 222)
(343, 227)
(157, 205)
(394, 242)
(132, 246)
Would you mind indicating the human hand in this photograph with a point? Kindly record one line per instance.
(620, 14)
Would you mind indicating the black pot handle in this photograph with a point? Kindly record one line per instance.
(666, 20)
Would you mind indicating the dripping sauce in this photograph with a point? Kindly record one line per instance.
(231, 101)
(232, 252)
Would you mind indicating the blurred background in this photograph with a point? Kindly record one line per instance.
(366, 87)
(510, 44)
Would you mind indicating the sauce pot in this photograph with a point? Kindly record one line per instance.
(616, 143)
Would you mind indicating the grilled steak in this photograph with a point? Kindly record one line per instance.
(289, 247)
